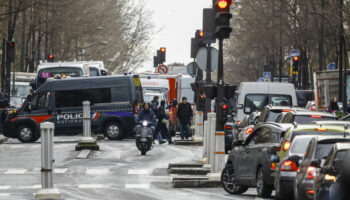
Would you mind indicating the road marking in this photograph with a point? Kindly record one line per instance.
(137, 186)
(138, 172)
(60, 170)
(97, 171)
(36, 187)
(92, 186)
(4, 194)
(16, 171)
(5, 187)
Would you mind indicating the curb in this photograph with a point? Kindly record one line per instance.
(196, 184)
(188, 142)
(179, 165)
(3, 139)
(188, 170)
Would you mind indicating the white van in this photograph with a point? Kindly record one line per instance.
(256, 95)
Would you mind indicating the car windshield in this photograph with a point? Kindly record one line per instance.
(280, 100)
(300, 145)
(20, 90)
(93, 71)
(259, 101)
(308, 119)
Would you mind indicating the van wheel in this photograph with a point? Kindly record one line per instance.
(113, 131)
(26, 134)
(228, 181)
(262, 188)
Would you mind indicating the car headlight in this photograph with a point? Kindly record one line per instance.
(329, 177)
(144, 123)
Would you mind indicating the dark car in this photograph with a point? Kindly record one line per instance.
(253, 163)
(318, 148)
(303, 96)
(329, 171)
(270, 113)
(307, 117)
(287, 168)
(114, 101)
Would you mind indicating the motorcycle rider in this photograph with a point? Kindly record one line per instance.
(146, 114)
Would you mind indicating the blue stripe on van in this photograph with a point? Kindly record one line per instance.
(120, 114)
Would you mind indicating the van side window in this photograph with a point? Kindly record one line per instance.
(98, 95)
(68, 98)
(121, 94)
(40, 101)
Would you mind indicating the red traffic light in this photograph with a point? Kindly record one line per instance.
(162, 49)
(201, 34)
(202, 96)
(50, 56)
(296, 58)
(222, 4)
(225, 106)
(11, 44)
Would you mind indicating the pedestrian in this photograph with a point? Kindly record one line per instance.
(3, 105)
(157, 134)
(333, 106)
(163, 121)
(184, 114)
(146, 114)
(30, 95)
(155, 103)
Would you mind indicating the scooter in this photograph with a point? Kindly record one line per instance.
(144, 137)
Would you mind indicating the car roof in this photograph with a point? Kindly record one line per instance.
(305, 112)
(342, 146)
(282, 127)
(331, 138)
(335, 122)
(311, 127)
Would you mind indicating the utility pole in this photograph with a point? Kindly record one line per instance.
(321, 57)
(341, 49)
(281, 45)
(8, 62)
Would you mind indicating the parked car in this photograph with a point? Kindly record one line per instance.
(252, 164)
(331, 168)
(287, 167)
(254, 96)
(318, 149)
(270, 113)
(307, 117)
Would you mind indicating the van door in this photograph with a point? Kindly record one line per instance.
(69, 111)
(40, 108)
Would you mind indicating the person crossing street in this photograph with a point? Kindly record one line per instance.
(184, 114)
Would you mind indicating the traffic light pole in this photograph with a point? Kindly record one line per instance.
(220, 88)
(207, 105)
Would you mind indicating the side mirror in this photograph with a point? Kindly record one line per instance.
(238, 143)
(272, 150)
(315, 163)
(240, 106)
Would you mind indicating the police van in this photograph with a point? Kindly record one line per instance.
(114, 100)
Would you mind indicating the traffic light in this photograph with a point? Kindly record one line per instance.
(50, 58)
(222, 18)
(155, 61)
(197, 42)
(224, 106)
(162, 54)
(201, 102)
(295, 63)
(208, 25)
(11, 51)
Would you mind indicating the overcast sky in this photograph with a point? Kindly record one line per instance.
(175, 23)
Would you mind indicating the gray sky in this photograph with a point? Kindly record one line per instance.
(175, 23)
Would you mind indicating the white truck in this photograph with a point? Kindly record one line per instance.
(20, 88)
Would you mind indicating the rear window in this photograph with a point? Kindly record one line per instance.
(273, 115)
(308, 119)
(323, 150)
(300, 145)
(280, 100)
(341, 155)
(255, 102)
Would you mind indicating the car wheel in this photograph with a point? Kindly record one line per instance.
(262, 188)
(26, 134)
(113, 131)
(228, 181)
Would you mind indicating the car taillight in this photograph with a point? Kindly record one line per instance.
(228, 127)
(286, 145)
(321, 129)
(248, 131)
(313, 107)
(273, 166)
(238, 122)
(311, 173)
(316, 116)
(289, 165)
(278, 148)
(286, 110)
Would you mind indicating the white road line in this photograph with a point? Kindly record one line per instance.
(60, 170)
(97, 171)
(4, 194)
(36, 187)
(16, 171)
(92, 186)
(137, 186)
(138, 172)
(4, 187)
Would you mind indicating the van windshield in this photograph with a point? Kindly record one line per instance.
(43, 74)
(259, 101)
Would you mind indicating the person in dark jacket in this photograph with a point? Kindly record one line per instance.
(3, 105)
(333, 106)
(184, 114)
(30, 95)
(155, 103)
(146, 114)
(161, 126)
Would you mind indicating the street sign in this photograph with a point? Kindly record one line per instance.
(331, 66)
(267, 76)
(293, 53)
(201, 58)
(162, 69)
(261, 79)
(192, 68)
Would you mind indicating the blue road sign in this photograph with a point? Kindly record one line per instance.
(293, 53)
(331, 66)
(267, 76)
(261, 79)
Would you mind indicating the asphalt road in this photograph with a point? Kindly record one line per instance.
(117, 171)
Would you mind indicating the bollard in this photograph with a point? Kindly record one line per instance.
(205, 140)
(199, 131)
(87, 142)
(86, 119)
(219, 160)
(47, 191)
(211, 134)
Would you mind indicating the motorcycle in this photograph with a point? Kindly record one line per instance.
(144, 137)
